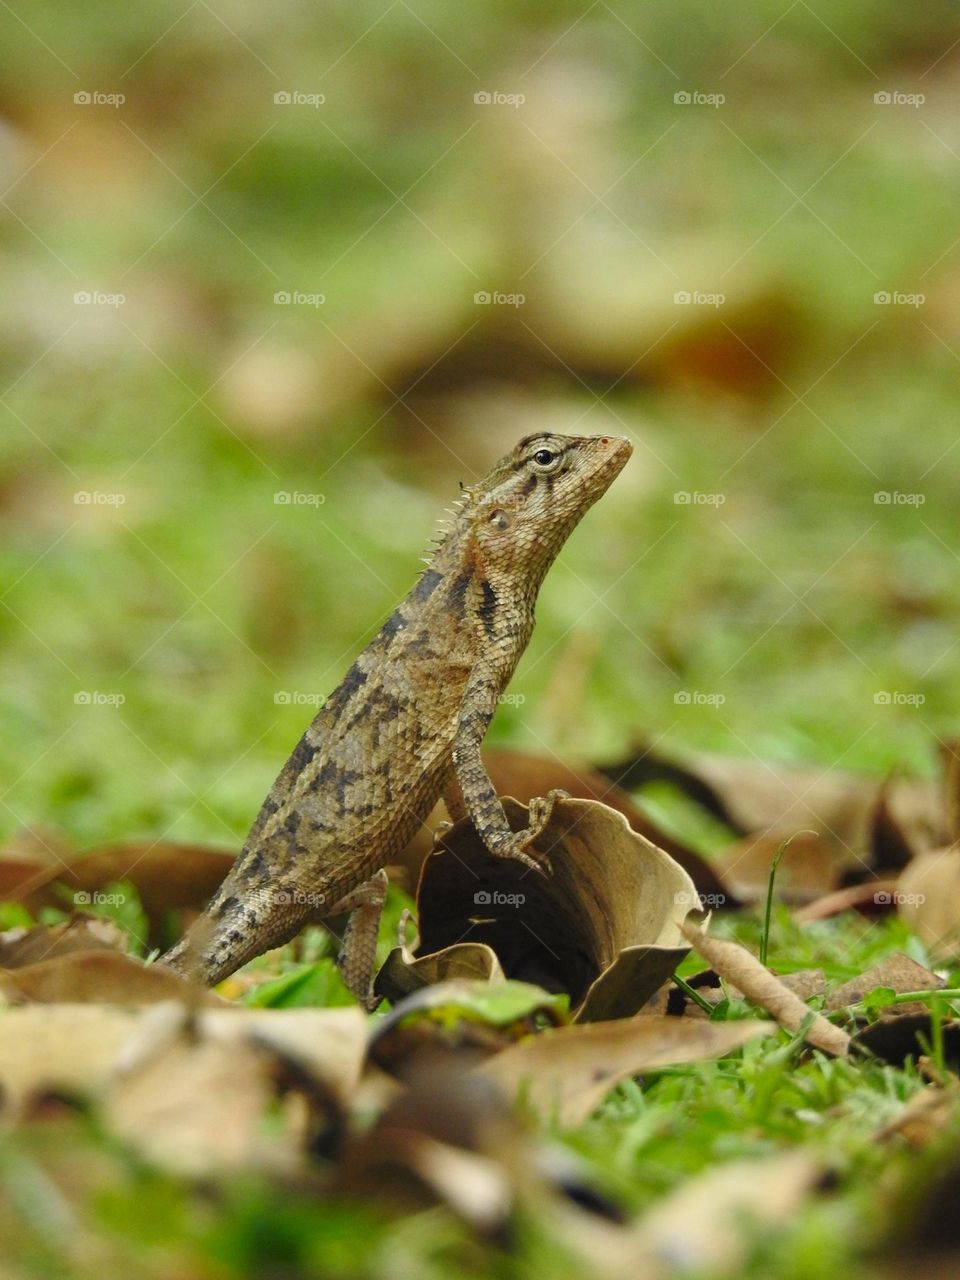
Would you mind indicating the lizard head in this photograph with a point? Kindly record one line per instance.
(523, 512)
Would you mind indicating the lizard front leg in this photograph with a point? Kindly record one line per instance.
(358, 950)
(479, 794)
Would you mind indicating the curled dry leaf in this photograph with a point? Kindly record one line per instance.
(524, 776)
(404, 973)
(568, 1072)
(458, 1016)
(928, 898)
(737, 966)
(603, 927)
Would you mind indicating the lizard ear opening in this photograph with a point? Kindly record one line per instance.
(499, 520)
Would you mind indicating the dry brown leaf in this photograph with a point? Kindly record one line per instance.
(167, 876)
(873, 897)
(67, 1048)
(710, 1222)
(603, 927)
(99, 977)
(567, 1072)
(811, 865)
(924, 1117)
(403, 972)
(19, 947)
(896, 1037)
(896, 971)
(758, 796)
(525, 776)
(736, 965)
(190, 1086)
(928, 898)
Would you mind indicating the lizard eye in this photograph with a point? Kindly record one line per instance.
(544, 457)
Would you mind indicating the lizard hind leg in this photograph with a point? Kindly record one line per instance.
(358, 950)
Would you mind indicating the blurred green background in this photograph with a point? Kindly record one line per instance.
(242, 248)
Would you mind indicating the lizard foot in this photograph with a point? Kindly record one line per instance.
(517, 844)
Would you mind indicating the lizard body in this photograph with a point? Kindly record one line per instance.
(406, 722)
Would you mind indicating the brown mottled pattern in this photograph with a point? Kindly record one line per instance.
(410, 713)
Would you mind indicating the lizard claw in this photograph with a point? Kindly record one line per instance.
(518, 844)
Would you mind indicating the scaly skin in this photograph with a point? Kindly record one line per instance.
(407, 722)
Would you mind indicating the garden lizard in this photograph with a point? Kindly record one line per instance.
(406, 723)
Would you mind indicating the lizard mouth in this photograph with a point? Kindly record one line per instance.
(613, 453)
